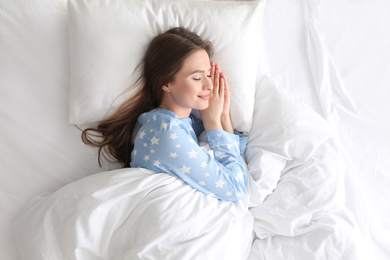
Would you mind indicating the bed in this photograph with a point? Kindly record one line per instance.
(313, 102)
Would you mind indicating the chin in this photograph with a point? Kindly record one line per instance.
(202, 107)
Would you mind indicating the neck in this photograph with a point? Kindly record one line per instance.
(181, 112)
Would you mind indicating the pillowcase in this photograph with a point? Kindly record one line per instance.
(285, 133)
(109, 38)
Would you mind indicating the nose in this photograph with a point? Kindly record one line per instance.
(207, 85)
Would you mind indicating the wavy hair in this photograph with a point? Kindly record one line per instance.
(162, 60)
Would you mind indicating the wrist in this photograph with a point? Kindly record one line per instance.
(227, 124)
(212, 126)
(225, 118)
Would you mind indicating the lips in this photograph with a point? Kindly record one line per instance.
(205, 97)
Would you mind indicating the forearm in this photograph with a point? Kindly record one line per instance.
(210, 125)
(227, 124)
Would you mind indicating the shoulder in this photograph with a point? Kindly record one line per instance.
(161, 124)
(158, 118)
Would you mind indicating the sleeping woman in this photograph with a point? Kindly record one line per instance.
(156, 130)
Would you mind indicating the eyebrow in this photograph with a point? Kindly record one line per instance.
(199, 71)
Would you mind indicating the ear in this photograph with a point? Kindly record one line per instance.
(166, 87)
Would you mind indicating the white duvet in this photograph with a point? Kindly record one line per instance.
(295, 209)
(133, 214)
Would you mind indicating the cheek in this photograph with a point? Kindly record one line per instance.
(184, 94)
(189, 89)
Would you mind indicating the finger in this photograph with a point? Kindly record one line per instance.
(221, 87)
(216, 82)
(212, 71)
(225, 82)
(224, 78)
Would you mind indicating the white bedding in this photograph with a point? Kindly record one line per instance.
(332, 56)
(339, 65)
(138, 214)
(133, 214)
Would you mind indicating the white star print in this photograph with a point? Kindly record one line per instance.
(173, 123)
(192, 154)
(185, 169)
(141, 135)
(219, 135)
(155, 140)
(164, 125)
(219, 183)
(152, 139)
(239, 194)
(221, 155)
(145, 144)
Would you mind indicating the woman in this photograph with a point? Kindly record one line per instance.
(156, 130)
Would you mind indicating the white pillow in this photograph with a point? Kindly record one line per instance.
(285, 133)
(109, 38)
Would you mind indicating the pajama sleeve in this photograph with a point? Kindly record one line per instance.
(175, 151)
(243, 139)
(198, 128)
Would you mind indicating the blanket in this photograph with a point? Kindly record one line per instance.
(133, 214)
(295, 209)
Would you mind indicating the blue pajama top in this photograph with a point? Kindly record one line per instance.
(166, 143)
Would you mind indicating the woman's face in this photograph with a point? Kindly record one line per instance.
(191, 87)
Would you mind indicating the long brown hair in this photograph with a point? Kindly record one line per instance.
(162, 60)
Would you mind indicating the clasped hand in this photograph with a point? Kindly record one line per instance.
(217, 114)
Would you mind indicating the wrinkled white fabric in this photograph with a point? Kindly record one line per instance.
(41, 151)
(133, 214)
(346, 92)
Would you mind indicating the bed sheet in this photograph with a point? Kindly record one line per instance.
(39, 149)
(334, 55)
